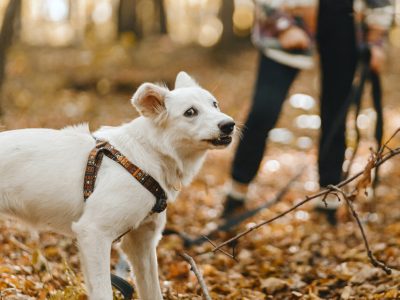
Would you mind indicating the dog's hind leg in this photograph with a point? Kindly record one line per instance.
(94, 247)
(140, 247)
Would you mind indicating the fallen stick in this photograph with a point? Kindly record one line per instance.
(198, 274)
(234, 221)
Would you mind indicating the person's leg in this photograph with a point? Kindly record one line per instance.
(273, 83)
(338, 55)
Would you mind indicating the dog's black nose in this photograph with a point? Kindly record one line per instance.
(226, 126)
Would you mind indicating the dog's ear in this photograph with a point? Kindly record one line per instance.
(149, 99)
(184, 80)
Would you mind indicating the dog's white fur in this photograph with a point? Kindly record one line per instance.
(42, 172)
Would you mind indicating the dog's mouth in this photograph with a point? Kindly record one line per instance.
(222, 140)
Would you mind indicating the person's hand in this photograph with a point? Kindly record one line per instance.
(378, 58)
(294, 38)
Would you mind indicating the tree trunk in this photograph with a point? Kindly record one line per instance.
(127, 20)
(162, 16)
(7, 33)
(226, 15)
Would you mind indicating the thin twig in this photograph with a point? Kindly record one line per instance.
(20, 245)
(198, 274)
(221, 250)
(379, 160)
(385, 145)
(238, 236)
(372, 258)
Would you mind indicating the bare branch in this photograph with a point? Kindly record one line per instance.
(238, 236)
(378, 159)
(373, 260)
(198, 274)
(221, 250)
(385, 145)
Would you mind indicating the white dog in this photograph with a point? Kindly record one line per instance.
(42, 173)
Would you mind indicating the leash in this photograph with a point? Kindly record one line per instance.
(355, 99)
(123, 286)
(377, 101)
(365, 74)
(235, 220)
(93, 165)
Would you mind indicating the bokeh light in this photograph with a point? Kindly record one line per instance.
(302, 215)
(302, 101)
(102, 12)
(308, 121)
(311, 186)
(243, 17)
(210, 32)
(271, 166)
(56, 10)
(304, 142)
(281, 135)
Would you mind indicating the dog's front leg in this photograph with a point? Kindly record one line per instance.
(95, 247)
(140, 247)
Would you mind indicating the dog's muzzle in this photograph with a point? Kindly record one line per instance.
(225, 138)
(226, 127)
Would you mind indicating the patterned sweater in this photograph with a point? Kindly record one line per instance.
(272, 17)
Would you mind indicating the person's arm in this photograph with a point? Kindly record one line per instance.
(273, 15)
(294, 38)
(280, 23)
(378, 19)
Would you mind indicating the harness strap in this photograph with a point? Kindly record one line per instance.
(94, 162)
(123, 286)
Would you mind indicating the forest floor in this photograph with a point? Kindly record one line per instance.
(300, 256)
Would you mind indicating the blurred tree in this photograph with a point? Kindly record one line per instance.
(127, 20)
(226, 15)
(162, 16)
(6, 34)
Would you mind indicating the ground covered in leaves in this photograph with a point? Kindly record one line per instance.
(299, 256)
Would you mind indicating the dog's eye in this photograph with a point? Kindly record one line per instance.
(215, 104)
(191, 112)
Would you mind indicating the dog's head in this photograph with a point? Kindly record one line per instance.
(189, 114)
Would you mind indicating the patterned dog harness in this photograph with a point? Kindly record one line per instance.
(94, 162)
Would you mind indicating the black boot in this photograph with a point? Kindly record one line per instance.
(232, 206)
(330, 214)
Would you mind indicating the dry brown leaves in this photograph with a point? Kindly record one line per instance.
(298, 257)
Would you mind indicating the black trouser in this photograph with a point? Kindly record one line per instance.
(336, 40)
(273, 83)
(338, 58)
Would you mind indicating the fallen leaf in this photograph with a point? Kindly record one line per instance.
(272, 284)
